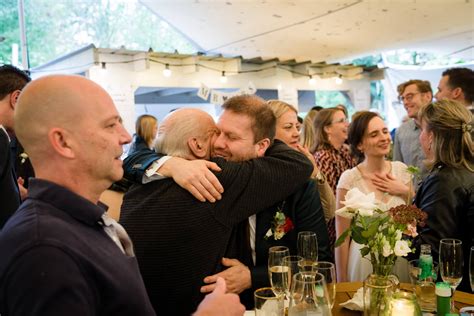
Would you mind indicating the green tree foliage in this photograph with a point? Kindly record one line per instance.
(57, 27)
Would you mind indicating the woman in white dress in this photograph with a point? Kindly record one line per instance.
(370, 140)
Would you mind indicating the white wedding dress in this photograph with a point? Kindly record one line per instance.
(359, 268)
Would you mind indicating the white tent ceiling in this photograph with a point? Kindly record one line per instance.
(322, 30)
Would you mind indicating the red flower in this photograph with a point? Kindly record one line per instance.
(288, 225)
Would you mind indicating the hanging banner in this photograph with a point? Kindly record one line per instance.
(289, 95)
(203, 92)
(218, 97)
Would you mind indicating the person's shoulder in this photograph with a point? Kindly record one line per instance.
(398, 165)
(449, 174)
(348, 177)
(30, 222)
(408, 126)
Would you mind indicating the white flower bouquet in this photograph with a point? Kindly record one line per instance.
(380, 231)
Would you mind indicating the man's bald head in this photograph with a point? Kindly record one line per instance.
(183, 128)
(53, 101)
(72, 132)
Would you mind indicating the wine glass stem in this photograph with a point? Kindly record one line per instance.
(453, 289)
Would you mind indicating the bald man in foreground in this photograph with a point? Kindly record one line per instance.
(59, 254)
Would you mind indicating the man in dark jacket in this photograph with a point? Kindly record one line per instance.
(242, 137)
(12, 81)
(179, 240)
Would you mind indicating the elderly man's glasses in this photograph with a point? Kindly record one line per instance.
(407, 97)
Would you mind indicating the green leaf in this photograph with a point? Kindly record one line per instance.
(344, 235)
(364, 251)
(357, 235)
(371, 231)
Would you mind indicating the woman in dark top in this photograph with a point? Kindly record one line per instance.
(146, 128)
(447, 193)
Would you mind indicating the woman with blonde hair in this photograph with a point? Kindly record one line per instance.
(288, 131)
(307, 130)
(146, 128)
(447, 193)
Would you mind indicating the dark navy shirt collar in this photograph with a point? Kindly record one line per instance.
(64, 199)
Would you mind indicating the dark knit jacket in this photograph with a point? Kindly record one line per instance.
(179, 241)
(9, 194)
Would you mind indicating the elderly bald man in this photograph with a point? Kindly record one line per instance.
(179, 241)
(59, 254)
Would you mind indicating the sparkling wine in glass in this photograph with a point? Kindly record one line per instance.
(451, 262)
(278, 273)
(328, 270)
(294, 264)
(308, 249)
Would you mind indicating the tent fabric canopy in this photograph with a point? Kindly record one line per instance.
(323, 30)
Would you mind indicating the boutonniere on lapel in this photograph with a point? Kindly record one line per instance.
(23, 157)
(281, 224)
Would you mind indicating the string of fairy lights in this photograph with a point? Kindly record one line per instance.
(167, 71)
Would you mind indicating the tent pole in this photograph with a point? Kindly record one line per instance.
(23, 40)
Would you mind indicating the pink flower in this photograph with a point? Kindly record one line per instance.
(411, 230)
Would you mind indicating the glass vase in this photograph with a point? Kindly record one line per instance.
(378, 291)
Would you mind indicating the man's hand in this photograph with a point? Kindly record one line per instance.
(22, 189)
(237, 277)
(195, 176)
(218, 303)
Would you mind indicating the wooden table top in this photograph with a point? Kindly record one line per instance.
(345, 291)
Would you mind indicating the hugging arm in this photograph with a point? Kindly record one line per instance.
(195, 176)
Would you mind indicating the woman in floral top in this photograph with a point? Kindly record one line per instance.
(332, 155)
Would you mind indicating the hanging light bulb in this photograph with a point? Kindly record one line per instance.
(311, 80)
(167, 71)
(223, 77)
(339, 80)
(103, 68)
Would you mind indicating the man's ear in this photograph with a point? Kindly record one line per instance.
(14, 98)
(262, 146)
(457, 93)
(197, 148)
(61, 142)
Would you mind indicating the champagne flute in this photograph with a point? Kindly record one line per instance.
(308, 249)
(328, 270)
(451, 263)
(279, 274)
(294, 264)
(471, 268)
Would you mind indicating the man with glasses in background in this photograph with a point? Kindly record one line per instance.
(406, 148)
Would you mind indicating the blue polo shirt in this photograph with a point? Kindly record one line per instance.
(56, 259)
